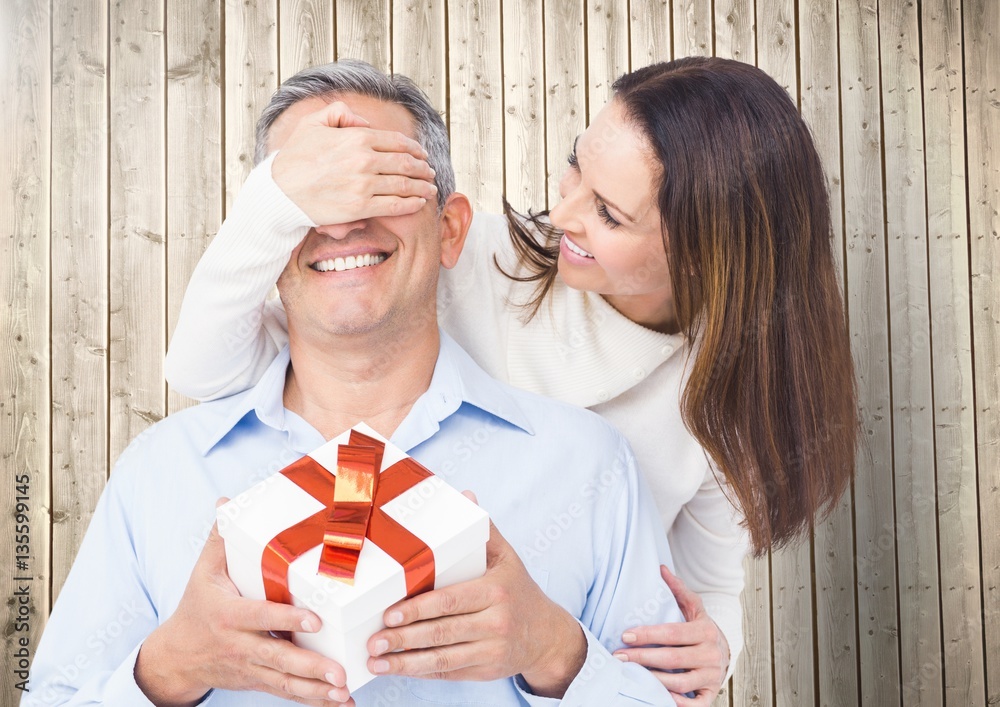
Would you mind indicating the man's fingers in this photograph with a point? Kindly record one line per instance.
(255, 615)
(424, 634)
(437, 661)
(288, 659)
(298, 689)
(463, 598)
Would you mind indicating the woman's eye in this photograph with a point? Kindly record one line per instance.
(572, 160)
(602, 211)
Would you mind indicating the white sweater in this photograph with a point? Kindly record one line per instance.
(577, 348)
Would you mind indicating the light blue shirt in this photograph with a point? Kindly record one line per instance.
(560, 484)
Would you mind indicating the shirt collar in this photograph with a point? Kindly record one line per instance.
(457, 379)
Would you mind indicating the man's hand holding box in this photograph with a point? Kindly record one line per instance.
(416, 533)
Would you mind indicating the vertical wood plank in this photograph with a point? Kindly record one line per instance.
(363, 32)
(475, 85)
(777, 44)
(793, 637)
(251, 76)
(305, 35)
(650, 32)
(418, 47)
(909, 341)
(24, 327)
(951, 348)
(791, 568)
(195, 186)
(834, 610)
(524, 104)
(565, 87)
(692, 25)
(137, 277)
(878, 627)
(79, 265)
(607, 50)
(982, 104)
(735, 30)
(753, 679)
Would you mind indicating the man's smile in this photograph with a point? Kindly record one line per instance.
(349, 262)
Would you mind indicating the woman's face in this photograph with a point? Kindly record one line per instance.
(612, 242)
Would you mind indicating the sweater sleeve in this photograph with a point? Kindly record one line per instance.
(709, 546)
(228, 332)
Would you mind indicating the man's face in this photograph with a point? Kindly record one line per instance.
(399, 255)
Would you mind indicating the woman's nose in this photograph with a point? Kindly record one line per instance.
(562, 215)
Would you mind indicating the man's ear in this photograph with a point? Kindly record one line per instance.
(456, 217)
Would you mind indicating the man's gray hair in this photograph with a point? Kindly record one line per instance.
(353, 76)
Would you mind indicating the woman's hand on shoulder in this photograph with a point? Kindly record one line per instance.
(697, 647)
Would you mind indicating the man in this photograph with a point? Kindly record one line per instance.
(148, 614)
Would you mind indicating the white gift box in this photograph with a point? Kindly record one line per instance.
(452, 526)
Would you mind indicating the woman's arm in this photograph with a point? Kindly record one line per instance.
(708, 547)
(227, 334)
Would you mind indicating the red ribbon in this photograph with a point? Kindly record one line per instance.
(403, 546)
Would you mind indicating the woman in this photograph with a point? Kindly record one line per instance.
(684, 288)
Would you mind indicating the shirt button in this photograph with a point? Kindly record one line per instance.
(602, 395)
(639, 374)
(667, 350)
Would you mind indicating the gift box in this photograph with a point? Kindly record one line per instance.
(346, 532)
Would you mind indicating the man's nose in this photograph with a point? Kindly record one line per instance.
(340, 231)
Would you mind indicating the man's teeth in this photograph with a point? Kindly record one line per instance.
(350, 262)
(576, 249)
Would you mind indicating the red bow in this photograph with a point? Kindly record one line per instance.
(352, 511)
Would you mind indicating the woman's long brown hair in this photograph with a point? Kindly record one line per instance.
(771, 394)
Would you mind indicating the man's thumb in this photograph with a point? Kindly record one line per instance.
(214, 552)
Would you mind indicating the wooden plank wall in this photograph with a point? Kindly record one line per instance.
(130, 130)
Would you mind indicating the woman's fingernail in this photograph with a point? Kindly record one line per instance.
(307, 625)
(622, 657)
(394, 618)
(628, 637)
(339, 694)
(380, 666)
(381, 646)
(334, 680)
